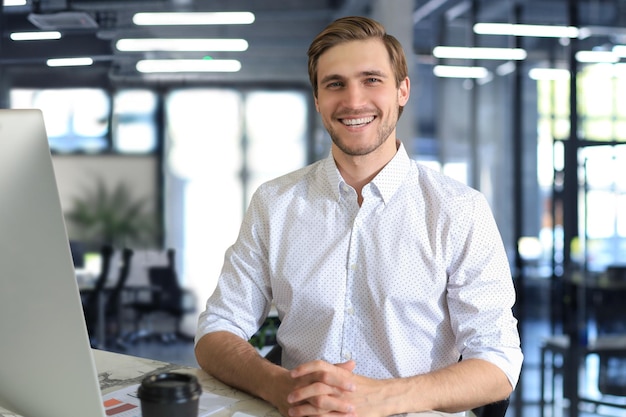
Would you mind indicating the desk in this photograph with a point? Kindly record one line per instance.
(116, 371)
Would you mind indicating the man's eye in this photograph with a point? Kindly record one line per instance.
(335, 84)
(372, 80)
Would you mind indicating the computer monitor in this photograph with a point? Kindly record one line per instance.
(46, 363)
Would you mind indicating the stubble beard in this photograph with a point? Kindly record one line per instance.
(382, 134)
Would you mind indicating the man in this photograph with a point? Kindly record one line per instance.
(383, 273)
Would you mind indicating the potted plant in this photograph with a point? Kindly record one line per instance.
(105, 215)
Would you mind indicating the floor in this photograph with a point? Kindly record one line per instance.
(525, 401)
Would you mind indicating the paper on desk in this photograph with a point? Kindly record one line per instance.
(125, 403)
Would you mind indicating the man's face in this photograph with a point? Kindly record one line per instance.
(357, 97)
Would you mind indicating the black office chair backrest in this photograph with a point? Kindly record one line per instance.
(91, 302)
(114, 298)
(106, 256)
(496, 409)
(164, 279)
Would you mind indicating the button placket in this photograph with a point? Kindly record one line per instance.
(352, 269)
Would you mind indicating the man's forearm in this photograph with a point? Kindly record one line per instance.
(236, 362)
(462, 386)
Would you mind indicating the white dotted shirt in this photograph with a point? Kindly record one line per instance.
(404, 284)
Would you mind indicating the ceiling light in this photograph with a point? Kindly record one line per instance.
(69, 62)
(539, 31)
(449, 71)
(63, 20)
(597, 56)
(479, 53)
(620, 50)
(549, 74)
(217, 18)
(188, 65)
(506, 68)
(14, 2)
(205, 45)
(35, 36)
(608, 31)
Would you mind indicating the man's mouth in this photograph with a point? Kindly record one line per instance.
(361, 121)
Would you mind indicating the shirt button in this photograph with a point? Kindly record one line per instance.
(354, 267)
(347, 356)
(350, 310)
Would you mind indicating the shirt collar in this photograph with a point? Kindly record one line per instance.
(387, 181)
(391, 176)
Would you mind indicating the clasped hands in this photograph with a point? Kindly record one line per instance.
(322, 389)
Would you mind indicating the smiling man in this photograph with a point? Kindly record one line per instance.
(384, 273)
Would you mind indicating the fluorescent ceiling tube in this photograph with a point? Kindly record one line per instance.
(174, 18)
(609, 31)
(479, 53)
(204, 45)
(35, 36)
(506, 68)
(450, 71)
(69, 62)
(549, 74)
(539, 31)
(188, 65)
(620, 50)
(14, 2)
(597, 57)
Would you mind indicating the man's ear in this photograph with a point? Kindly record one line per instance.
(317, 106)
(404, 91)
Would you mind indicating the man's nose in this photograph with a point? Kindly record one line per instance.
(354, 97)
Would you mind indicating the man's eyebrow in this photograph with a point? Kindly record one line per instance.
(367, 73)
(331, 77)
(374, 72)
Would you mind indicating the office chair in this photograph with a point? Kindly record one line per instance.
(165, 296)
(91, 304)
(603, 301)
(609, 314)
(113, 307)
(495, 409)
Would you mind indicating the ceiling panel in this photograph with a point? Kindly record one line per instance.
(282, 31)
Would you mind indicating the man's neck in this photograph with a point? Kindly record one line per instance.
(359, 170)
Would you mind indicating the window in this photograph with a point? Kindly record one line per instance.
(601, 107)
(221, 144)
(602, 191)
(134, 121)
(77, 120)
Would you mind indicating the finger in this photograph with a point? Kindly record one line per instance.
(319, 371)
(309, 368)
(348, 366)
(324, 405)
(313, 390)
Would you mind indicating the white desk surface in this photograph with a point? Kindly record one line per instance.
(127, 370)
(117, 371)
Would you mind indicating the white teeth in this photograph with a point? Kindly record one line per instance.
(354, 122)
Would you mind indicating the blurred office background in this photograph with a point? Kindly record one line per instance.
(161, 130)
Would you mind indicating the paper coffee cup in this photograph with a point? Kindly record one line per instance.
(169, 394)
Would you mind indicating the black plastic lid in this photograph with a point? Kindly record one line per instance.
(169, 387)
